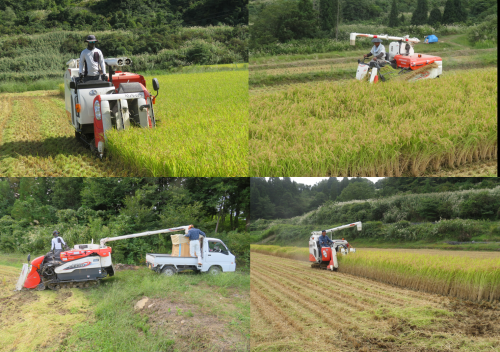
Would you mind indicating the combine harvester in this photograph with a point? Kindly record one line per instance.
(86, 264)
(326, 257)
(400, 56)
(95, 107)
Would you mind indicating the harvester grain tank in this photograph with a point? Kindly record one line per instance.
(326, 257)
(95, 107)
(401, 55)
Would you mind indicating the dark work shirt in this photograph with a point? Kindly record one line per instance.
(194, 234)
(324, 241)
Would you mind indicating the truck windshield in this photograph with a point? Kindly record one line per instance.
(218, 247)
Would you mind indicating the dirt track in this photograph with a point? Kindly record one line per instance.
(296, 308)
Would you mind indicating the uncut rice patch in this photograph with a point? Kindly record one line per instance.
(387, 129)
(202, 128)
(297, 308)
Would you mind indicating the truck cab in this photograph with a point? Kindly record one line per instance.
(215, 258)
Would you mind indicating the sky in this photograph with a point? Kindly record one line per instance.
(313, 180)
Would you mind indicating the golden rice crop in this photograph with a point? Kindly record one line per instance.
(202, 128)
(355, 129)
(472, 278)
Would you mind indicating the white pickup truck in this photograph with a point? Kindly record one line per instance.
(216, 258)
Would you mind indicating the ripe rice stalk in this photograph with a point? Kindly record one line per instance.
(360, 129)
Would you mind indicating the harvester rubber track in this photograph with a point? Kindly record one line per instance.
(80, 284)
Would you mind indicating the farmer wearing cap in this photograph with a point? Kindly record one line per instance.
(194, 242)
(378, 52)
(90, 61)
(324, 241)
(57, 243)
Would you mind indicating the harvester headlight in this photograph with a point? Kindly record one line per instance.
(97, 110)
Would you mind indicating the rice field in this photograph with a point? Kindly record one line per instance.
(297, 308)
(390, 129)
(37, 140)
(467, 275)
(202, 130)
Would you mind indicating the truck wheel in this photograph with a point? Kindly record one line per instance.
(214, 270)
(169, 271)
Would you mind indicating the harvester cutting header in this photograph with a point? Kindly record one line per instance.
(401, 55)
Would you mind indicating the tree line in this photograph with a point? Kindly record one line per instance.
(34, 16)
(85, 209)
(287, 20)
(282, 198)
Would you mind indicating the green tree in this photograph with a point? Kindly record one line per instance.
(435, 17)
(328, 14)
(460, 12)
(449, 14)
(419, 16)
(393, 16)
(402, 19)
(357, 191)
(66, 192)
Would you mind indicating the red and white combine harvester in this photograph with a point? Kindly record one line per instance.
(95, 107)
(83, 266)
(400, 56)
(326, 257)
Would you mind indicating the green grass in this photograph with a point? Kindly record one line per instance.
(17, 87)
(114, 300)
(202, 128)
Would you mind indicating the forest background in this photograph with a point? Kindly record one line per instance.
(38, 37)
(302, 26)
(86, 209)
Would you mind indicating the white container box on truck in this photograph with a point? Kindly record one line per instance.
(215, 258)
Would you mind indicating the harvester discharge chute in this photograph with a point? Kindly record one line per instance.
(82, 266)
(97, 106)
(400, 61)
(326, 257)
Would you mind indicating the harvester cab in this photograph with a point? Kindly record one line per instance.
(82, 266)
(326, 257)
(95, 107)
(401, 56)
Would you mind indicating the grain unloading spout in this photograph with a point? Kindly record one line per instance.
(147, 233)
(405, 39)
(357, 224)
(121, 61)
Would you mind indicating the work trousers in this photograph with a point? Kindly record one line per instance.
(194, 246)
(90, 78)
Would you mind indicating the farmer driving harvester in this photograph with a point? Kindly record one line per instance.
(90, 60)
(378, 50)
(57, 243)
(324, 240)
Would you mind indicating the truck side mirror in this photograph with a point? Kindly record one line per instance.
(156, 85)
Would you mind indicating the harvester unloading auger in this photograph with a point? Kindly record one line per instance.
(83, 266)
(95, 107)
(326, 257)
(401, 56)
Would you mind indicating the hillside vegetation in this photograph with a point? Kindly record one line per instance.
(89, 209)
(400, 220)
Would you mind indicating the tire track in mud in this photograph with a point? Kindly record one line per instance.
(393, 318)
(37, 140)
